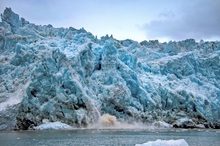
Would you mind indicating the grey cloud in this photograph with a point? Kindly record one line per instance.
(167, 14)
(199, 19)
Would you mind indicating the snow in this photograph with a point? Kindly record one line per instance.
(53, 126)
(179, 142)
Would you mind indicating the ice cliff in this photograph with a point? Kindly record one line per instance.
(70, 76)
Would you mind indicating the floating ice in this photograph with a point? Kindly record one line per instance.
(179, 142)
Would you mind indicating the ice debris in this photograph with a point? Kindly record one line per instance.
(68, 75)
(53, 126)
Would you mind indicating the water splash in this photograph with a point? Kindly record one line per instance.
(107, 120)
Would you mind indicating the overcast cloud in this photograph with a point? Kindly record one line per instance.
(198, 19)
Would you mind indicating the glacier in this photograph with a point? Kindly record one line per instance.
(70, 76)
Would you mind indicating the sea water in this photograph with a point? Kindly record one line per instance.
(108, 137)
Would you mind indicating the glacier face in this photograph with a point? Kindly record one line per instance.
(68, 75)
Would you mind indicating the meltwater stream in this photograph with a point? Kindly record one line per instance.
(94, 137)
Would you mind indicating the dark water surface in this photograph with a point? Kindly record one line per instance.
(106, 137)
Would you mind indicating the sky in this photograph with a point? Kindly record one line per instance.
(139, 20)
